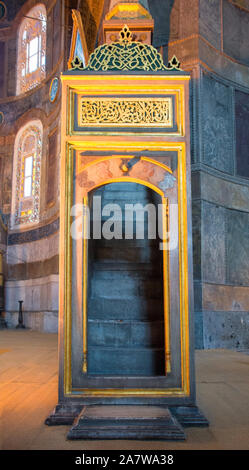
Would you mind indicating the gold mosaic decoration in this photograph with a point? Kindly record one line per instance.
(151, 112)
(126, 55)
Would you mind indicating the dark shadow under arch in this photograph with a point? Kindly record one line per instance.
(125, 295)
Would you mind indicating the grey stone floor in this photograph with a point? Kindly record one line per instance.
(28, 391)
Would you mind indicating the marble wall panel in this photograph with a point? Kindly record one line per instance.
(196, 233)
(226, 298)
(238, 247)
(160, 12)
(37, 294)
(223, 65)
(236, 38)
(213, 243)
(35, 251)
(242, 134)
(46, 322)
(217, 124)
(2, 77)
(198, 323)
(210, 21)
(224, 192)
(189, 18)
(226, 330)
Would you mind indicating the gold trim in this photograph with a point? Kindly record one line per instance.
(184, 320)
(166, 279)
(92, 78)
(85, 281)
(141, 89)
(128, 84)
(131, 180)
(97, 159)
(183, 271)
(67, 269)
(114, 392)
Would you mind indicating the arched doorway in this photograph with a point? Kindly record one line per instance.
(125, 305)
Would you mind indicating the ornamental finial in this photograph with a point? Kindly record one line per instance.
(125, 34)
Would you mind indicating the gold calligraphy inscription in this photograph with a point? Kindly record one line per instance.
(126, 112)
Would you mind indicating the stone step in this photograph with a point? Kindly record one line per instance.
(125, 254)
(126, 288)
(125, 333)
(128, 362)
(147, 268)
(126, 422)
(125, 195)
(123, 186)
(123, 274)
(134, 243)
(129, 309)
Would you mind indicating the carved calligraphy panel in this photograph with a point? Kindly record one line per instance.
(123, 112)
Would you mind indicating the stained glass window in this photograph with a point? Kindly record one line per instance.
(31, 68)
(26, 174)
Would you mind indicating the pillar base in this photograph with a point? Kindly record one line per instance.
(63, 415)
(189, 416)
(126, 422)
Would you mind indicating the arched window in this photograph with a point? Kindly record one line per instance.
(26, 174)
(31, 69)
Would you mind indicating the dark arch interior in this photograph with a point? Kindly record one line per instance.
(125, 293)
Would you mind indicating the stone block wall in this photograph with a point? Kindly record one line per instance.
(211, 40)
(220, 176)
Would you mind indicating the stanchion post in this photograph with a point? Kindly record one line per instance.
(20, 316)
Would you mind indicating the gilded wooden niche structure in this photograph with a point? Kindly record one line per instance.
(125, 121)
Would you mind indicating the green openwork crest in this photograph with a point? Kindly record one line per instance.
(126, 55)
